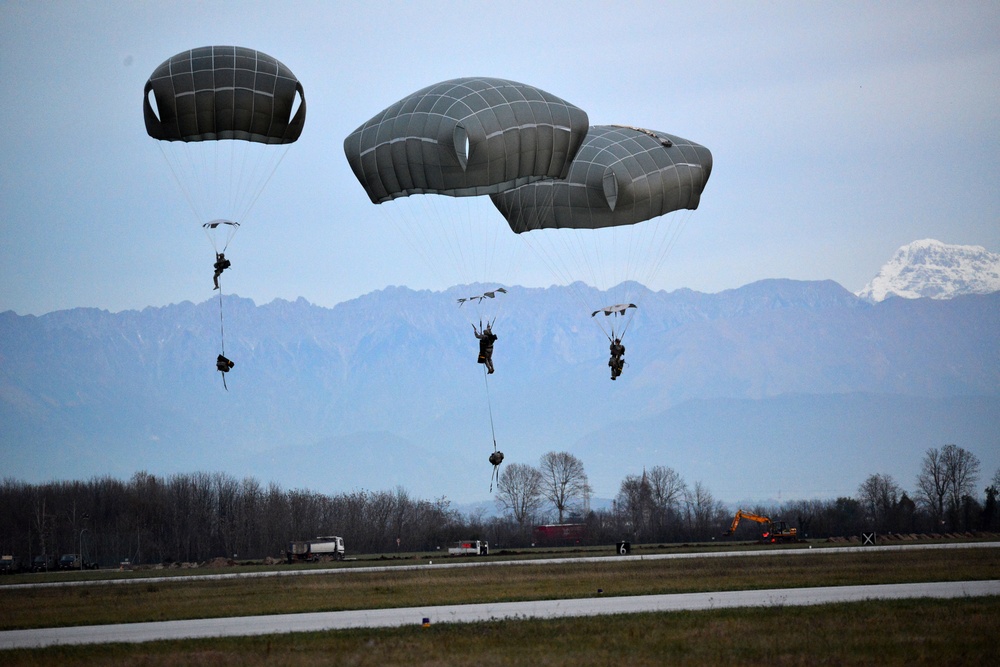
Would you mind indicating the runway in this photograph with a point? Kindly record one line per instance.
(444, 563)
(372, 618)
(540, 609)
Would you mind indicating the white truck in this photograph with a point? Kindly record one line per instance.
(320, 548)
(469, 548)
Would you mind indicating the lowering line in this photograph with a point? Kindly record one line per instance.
(496, 458)
(222, 334)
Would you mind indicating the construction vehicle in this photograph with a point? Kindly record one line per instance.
(322, 548)
(774, 531)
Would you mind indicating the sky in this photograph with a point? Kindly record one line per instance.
(839, 132)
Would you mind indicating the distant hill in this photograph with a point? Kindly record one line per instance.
(742, 390)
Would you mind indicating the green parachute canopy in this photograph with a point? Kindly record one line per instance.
(620, 176)
(224, 92)
(223, 118)
(467, 136)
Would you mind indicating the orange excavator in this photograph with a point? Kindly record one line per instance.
(774, 531)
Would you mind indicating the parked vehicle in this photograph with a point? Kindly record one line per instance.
(42, 563)
(321, 548)
(469, 548)
(9, 564)
(69, 562)
(75, 562)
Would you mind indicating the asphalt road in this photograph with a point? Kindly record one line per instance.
(338, 620)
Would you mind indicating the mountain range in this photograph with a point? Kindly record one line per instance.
(778, 389)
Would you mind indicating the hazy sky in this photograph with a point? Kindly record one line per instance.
(840, 131)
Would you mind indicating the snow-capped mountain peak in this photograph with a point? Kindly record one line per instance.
(937, 270)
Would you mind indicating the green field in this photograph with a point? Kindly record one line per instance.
(902, 632)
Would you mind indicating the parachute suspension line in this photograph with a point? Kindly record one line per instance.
(427, 230)
(222, 179)
(636, 259)
(457, 240)
(481, 244)
(558, 268)
(663, 237)
(405, 226)
(222, 332)
(269, 171)
(621, 335)
(489, 404)
(229, 237)
(616, 259)
(570, 255)
(177, 179)
(222, 324)
(648, 253)
(232, 229)
(493, 433)
(674, 234)
(497, 254)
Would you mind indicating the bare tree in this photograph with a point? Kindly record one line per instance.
(43, 520)
(990, 508)
(249, 511)
(227, 491)
(403, 511)
(946, 477)
(667, 489)
(704, 512)
(520, 491)
(564, 482)
(879, 496)
(932, 485)
(962, 469)
(635, 499)
(276, 520)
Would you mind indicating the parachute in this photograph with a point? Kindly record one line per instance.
(491, 294)
(621, 176)
(223, 117)
(220, 233)
(467, 136)
(462, 138)
(617, 309)
(224, 92)
(606, 222)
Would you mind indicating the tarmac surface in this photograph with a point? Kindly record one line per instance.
(374, 618)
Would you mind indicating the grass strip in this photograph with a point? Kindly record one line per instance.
(903, 632)
(158, 601)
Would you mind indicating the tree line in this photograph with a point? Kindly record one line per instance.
(200, 516)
